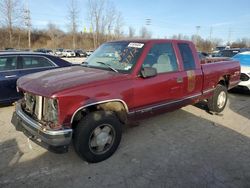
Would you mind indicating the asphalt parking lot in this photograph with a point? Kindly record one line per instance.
(185, 148)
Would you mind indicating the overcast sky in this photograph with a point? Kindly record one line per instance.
(226, 19)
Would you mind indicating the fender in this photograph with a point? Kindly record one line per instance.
(99, 102)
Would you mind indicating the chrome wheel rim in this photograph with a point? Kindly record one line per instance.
(221, 99)
(101, 139)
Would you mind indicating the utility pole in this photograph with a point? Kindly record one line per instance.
(197, 33)
(198, 29)
(27, 22)
(210, 38)
(148, 21)
(229, 36)
(210, 35)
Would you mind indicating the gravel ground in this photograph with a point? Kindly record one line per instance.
(185, 148)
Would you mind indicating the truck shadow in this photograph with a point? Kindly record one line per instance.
(203, 106)
(172, 149)
(237, 103)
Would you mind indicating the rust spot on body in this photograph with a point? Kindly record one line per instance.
(191, 80)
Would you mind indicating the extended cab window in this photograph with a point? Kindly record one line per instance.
(35, 62)
(161, 57)
(8, 63)
(187, 56)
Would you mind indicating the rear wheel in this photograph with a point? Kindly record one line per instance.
(218, 101)
(97, 136)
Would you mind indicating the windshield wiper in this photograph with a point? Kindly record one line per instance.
(107, 65)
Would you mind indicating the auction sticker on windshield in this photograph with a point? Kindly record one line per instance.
(135, 45)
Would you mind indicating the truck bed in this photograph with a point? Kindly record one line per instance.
(212, 73)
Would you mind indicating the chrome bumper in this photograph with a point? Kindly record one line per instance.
(33, 129)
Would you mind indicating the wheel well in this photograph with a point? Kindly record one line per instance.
(115, 106)
(224, 80)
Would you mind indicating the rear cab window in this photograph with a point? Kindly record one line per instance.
(187, 56)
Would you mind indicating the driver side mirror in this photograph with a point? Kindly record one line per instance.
(148, 72)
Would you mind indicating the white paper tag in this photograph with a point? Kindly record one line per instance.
(135, 45)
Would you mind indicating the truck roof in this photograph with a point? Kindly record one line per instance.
(151, 40)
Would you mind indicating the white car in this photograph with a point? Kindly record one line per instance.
(245, 77)
(244, 59)
(89, 52)
(68, 53)
(58, 52)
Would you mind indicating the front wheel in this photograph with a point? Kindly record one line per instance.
(97, 136)
(218, 101)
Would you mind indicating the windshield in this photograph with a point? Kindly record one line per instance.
(121, 56)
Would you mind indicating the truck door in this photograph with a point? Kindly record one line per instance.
(193, 77)
(166, 86)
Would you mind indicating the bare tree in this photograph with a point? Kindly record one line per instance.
(73, 18)
(104, 19)
(180, 37)
(54, 33)
(110, 17)
(10, 14)
(241, 43)
(118, 25)
(131, 32)
(144, 33)
(95, 8)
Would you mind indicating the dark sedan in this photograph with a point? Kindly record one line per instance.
(80, 53)
(13, 65)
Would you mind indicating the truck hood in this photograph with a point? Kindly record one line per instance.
(48, 83)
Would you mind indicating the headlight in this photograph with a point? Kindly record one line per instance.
(30, 102)
(51, 110)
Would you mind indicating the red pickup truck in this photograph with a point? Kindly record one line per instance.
(121, 81)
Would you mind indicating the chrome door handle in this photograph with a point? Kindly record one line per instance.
(179, 80)
(10, 76)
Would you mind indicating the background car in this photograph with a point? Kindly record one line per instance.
(89, 52)
(244, 59)
(44, 50)
(228, 52)
(58, 52)
(80, 53)
(68, 53)
(13, 65)
(202, 56)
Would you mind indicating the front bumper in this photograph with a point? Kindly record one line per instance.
(34, 130)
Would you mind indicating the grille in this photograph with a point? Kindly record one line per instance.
(244, 77)
(41, 109)
(32, 105)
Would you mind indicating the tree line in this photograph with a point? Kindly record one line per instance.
(106, 24)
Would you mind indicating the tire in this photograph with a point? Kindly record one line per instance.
(218, 101)
(97, 136)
